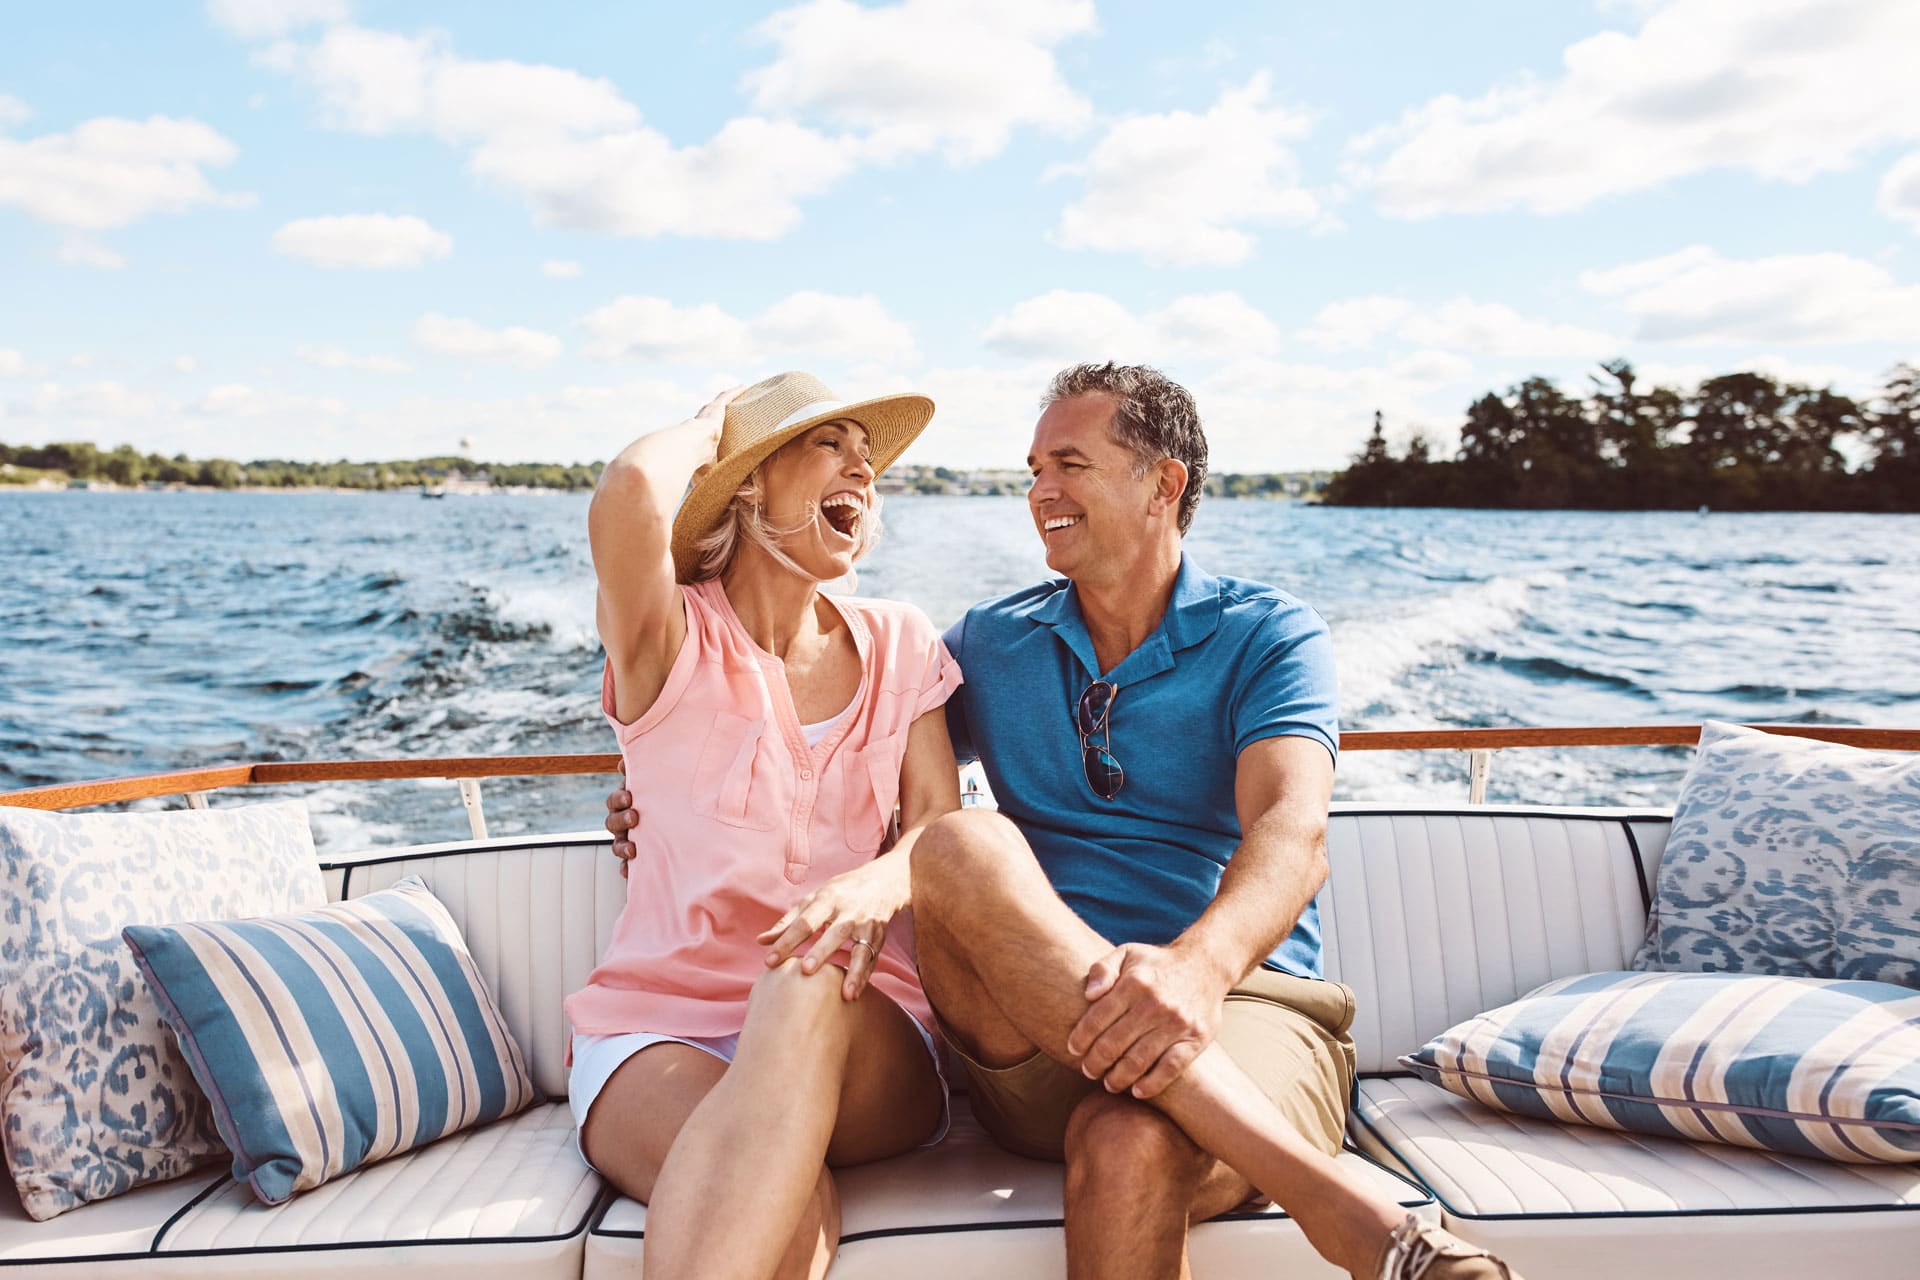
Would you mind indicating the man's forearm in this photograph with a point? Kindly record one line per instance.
(1273, 875)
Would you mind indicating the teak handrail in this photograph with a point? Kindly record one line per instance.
(1478, 742)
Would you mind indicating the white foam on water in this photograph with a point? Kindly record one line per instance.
(337, 827)
(563, 610)
(1373, 652)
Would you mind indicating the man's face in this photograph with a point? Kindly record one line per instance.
(1087, 505)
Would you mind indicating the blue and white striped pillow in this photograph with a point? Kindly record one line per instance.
(1802, 1066)
(336, 1037)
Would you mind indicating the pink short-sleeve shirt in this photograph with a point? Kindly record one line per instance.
(739, 818)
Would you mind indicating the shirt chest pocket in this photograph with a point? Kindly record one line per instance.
(724, 777)
(870, 781)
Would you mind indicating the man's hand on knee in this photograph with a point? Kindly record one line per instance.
(621, 820)
(1151, 1012)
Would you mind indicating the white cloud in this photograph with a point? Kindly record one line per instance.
(1900, 191)
(958, 75)
(1495, 329)
(14, 364)
(238, 400)
(1460, 324)
(185, 364)
(1064, 325)
(854, 329)
(1180, 189)
(1783, 89)
(374, 241)
(96, 400)
(1688, 377)
(452, 336)
(1353, 323)
(380, 83)
(569, 144)
(109, 172)
(82, 251)
(1268, 414)
(559, 269)
(576, 150)
(13, 111)
(259, 19)
(321, 356)
(1698, 296)
(745, 183)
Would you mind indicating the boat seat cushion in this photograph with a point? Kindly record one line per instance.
(336, 1037)
(1790, 856)
(1574, 1201)
(511, 1199)
(1799, 1065)
(966, 1208)
(95, 1097)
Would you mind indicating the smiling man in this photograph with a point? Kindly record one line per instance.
(1126, 957)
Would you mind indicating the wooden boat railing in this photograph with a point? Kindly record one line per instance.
(1478, 744)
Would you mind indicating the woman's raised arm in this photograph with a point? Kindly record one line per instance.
(641, 619)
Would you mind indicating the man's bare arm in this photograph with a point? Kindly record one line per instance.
(1155, 1008)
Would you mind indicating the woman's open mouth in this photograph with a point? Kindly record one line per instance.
(842, 512)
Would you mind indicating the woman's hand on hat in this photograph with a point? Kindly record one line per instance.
(712, 416)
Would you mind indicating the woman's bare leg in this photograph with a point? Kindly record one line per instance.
(750, 1156)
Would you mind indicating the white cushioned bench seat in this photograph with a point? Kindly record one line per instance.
(966, 1209)
(1575, 1201)
(511, 1199)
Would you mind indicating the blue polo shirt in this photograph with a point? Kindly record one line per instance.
(1231, 663)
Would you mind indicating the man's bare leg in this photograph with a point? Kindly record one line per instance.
(1134, 1183)
(1005, 963)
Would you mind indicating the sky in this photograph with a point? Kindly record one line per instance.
(320, 229)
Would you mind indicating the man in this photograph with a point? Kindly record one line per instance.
(1161, 744)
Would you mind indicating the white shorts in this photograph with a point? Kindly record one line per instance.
(596, 1058)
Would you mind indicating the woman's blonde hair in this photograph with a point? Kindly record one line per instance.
(745, 520)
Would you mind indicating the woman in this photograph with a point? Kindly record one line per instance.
(756, 1019)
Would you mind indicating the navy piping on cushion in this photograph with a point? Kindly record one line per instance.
(1420, 1196)
(1777, 1211)
(468, 849)
(1639, 865)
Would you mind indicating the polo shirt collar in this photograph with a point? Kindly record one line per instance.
(1193, 614)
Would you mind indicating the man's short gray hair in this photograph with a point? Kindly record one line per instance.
(1153, 416)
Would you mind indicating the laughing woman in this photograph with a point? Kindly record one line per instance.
(756, 1020)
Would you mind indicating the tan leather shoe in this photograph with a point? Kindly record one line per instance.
(1420, 1251)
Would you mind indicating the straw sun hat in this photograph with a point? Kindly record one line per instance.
(769, 414)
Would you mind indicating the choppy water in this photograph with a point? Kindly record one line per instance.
(141, 632)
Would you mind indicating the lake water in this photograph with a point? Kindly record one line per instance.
(150, 631)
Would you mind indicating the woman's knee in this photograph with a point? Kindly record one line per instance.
(789, 988)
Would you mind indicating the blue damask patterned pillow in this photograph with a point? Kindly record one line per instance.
(95, 1098)
(1793, 857)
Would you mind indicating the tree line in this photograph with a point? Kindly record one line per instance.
(128, 466)
(1739, 442)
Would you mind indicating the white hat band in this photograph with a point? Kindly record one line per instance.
(807, 411)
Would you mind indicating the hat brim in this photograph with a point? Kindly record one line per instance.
(891, 422)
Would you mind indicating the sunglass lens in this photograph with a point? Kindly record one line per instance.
(1093, 706)
(1104, 773)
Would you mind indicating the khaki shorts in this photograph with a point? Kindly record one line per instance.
(1289, 1034)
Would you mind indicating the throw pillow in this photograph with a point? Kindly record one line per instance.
(95, 1098)
(335, 1037)
(1803, 1066)
(1790, 856)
